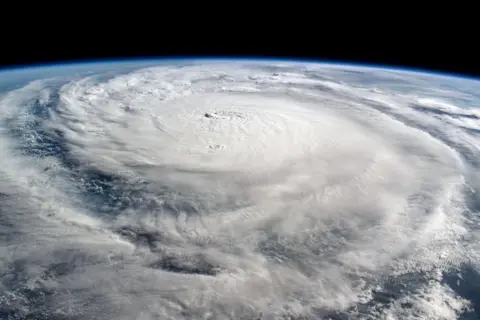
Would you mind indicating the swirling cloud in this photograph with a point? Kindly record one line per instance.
(233, 189)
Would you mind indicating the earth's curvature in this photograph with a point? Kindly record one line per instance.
(216, 189)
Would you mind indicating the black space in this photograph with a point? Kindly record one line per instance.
(430, 48)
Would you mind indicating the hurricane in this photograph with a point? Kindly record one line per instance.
(243, 189)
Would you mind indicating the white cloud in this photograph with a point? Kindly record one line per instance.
(295, 194)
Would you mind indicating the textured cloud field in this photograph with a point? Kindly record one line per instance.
(240, 190)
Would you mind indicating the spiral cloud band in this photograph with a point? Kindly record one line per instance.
(239, 190)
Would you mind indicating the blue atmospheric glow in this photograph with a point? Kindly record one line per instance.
(163, 60)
